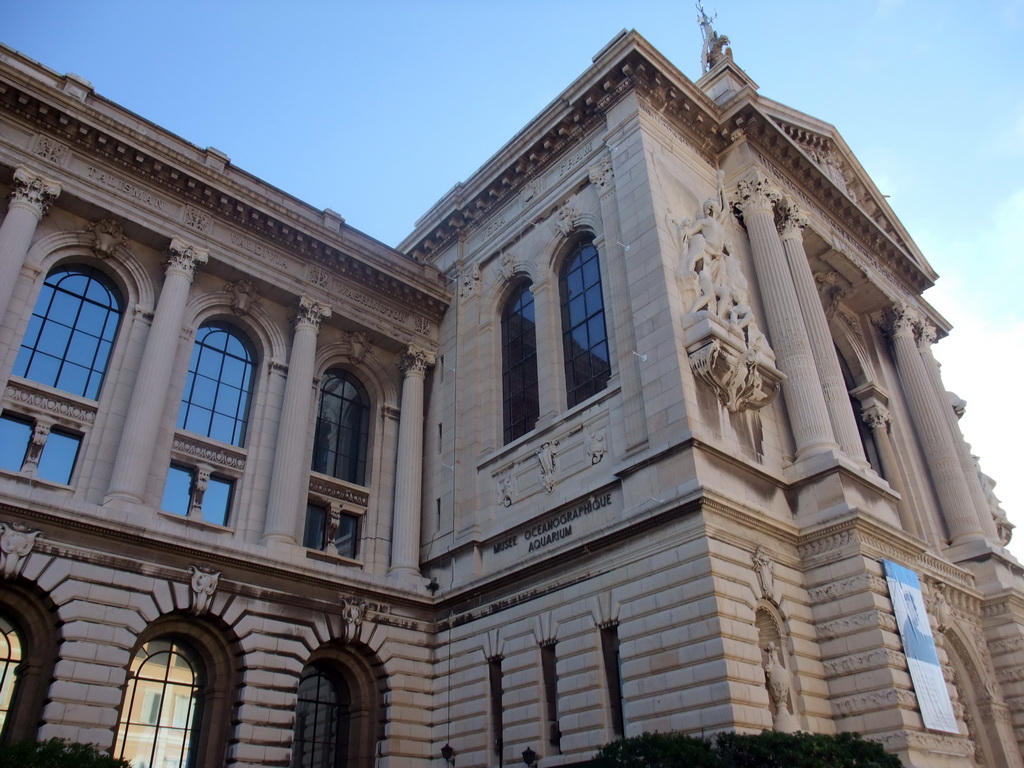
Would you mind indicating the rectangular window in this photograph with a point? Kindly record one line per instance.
(321, 520)
(549, 672)
(316, 525)
(613, 676)
(497, 725)
(196, 492)
(15, 435)
(38, 450)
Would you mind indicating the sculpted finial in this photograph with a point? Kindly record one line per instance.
(716, 46)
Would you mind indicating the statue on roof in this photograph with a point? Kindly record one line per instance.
(716, 46)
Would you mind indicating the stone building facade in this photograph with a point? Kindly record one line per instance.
(618, 440)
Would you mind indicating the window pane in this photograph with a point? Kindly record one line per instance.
(10, 660)
(59, 455)
(217, 500)
(348, 536)
(77, 308)
(519, 364)
(177, 490)
(584, 333)
(313, 533)
(343, 428)
(218, 381)
(14, 438)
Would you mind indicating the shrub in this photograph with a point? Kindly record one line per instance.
(768, 749)
(56, 753)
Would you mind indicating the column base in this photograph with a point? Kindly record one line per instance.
(408, 577)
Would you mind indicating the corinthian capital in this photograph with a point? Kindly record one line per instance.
(905, 320)
(790, 220)
(415, 361)
(926, 334)
(876, 417)
(756, 193)
(184, 258)
(32, 192)
(309, 312)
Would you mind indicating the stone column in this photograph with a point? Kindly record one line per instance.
(290, 474)
(405, 530)
(926, 337)
(802, 390)
(837, 399)
(621, 313)
(880, 422)
(954, 499)
(150, 393)
(31, 197)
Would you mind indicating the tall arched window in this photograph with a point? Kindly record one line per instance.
(162, 706)
(322, 722)
(71, 331)
(215, 402)
(342, 428)
(520, 393)
(584, 337)
(10, 662)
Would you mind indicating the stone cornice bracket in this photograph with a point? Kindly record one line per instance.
(202, 584)
(740, 379)
(566, 218)
(601, 174)
(353, 611)
(32, 192)
(309, 312)
(415, 361)
(756, 192)
(245, 297)
(107, 235)
(184, 258)
(16, 542)
(790, 219)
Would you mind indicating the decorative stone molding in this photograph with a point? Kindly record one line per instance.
(353, 611)
(107, 235)
(851, 624)
(824, 544)
(597, 446)
(196, 219)
(546, 455)
(16, 542)
(202, 452)
(245, 297)
(862, 703)
(415, 361)
(507, 266)
(1009, 645)
(184, 258)
(318, 276)
(546, 630)
(50, 403)
(601, 173)
(566, 218)
(506, 490)
(50, 150)
(764, 567)
(790, 219)
(850, 586)
(530, 191)
(469, 280)
(756, 193)
(925, 742)
(33, 192)
(738, 378)
(309, 312)
(876, 417)
(358, 345)
(861, 662)
(336, 490)
(203, 585)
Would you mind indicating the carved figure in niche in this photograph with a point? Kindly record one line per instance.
(597, 447)
(546, 456)
(204, 584)
(506, 487)
(765, 572)
(704, 246)
(16, 542)
(940, 607)
(107, 234)
(780, 685)
(715, 45)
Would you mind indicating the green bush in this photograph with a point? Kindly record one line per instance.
(56, 753)
(769, 749)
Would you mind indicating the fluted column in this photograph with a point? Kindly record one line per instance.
(405, 530)
(926, 409)
(288, 479)
(830, 375)
(802, 391)
(925, 338)
(880, 422)
(31, 197)
(146, 408)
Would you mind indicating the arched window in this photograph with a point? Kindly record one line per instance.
(584, 338)
(162, 706)
(215, 402)
(10, 663)
(342, 428)
(520, 395)
(71, 331)
(322, 721)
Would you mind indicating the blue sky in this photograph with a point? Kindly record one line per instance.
(377, 109)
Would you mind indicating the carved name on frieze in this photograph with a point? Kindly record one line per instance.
(494, 225)
(373, 304)
(51, 150)
(126, 188)
(258, 249)
(51, 404)
(553, 528)
(575, 158)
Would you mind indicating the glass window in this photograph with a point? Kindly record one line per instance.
(10, 662)
(160, 717)
(318, 528)
(342, 428)
(57, 461)
(197, 492)
(71, 331)
(215, 402)
(584, 338)
(15, 435)
(520, 392)
(49, 454)
(321, 721)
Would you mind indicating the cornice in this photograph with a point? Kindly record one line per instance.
(200, 181)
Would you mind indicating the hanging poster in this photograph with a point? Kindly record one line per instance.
(919, 646)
